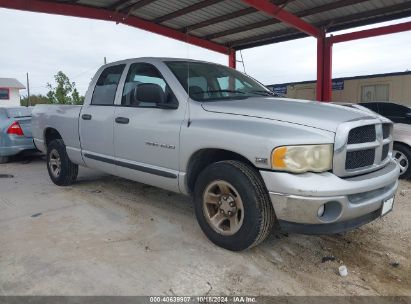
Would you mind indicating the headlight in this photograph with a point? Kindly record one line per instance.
(298, 159)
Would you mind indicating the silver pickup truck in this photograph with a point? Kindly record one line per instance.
(251, 161)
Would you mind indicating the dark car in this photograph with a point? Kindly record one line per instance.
(401, 116)
(396, 112)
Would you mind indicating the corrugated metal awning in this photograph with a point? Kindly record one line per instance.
(237, 25)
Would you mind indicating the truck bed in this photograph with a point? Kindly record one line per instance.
(64, 118)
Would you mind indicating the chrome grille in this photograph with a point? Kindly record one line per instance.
(362, 146)
(385, 151)
(359, 159)
(362, 134)
(386, 130)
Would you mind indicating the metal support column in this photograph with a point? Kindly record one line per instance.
(232, 59)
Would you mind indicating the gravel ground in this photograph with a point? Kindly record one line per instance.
(108, 236)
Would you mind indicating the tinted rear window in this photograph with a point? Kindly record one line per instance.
(106, 87)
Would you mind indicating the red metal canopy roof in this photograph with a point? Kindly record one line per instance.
(221, 25)
(228, 25)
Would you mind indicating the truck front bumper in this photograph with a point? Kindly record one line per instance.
(348, 202)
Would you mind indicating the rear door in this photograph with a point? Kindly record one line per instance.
(97, 119)
(146, 138)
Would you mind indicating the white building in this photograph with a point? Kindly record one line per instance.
(9, 92)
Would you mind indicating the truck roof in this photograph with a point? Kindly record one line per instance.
(155, 59)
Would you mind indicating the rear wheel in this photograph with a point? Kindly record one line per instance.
(61, 170)
(402, 154)
(232, 205)
(4, 159)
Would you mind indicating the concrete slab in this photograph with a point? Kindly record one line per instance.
(109, 236)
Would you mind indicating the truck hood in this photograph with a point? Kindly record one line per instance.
(303, 112)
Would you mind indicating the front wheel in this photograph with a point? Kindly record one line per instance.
(61, 170)
(402, 155)
(232, 205)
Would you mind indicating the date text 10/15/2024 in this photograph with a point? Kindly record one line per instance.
(203, 299)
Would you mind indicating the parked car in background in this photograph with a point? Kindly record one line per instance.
(401, 116)
(251, 161)
(15, 132)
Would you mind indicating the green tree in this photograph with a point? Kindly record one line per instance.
(34, 99)
(64, 92)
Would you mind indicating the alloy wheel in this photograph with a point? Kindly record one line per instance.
(402, 161)
(55, 163)
(223, 208)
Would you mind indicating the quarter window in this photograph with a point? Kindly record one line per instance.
(4, 94)
(106, 86)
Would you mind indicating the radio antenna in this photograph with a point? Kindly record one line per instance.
(242, 61)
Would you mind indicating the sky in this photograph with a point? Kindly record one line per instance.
(42, 45)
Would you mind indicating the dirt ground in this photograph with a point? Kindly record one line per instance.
(108, 236)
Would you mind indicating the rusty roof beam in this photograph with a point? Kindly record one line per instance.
(286, 17)
(332, 24)
(118, 4)
(222, 18)
(186, 10)
(377, 15)
(135, 6)
(218, 19)
(83, 11)
(374, 32)
(303, 13)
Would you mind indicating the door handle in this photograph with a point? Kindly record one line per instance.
(122, 120)
(86, 116)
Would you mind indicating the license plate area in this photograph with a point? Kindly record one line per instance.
(387, 206)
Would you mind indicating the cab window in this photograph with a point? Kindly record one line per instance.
(106, 86)
(144, 73)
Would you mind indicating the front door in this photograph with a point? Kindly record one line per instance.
(146, 138)
(97, 119)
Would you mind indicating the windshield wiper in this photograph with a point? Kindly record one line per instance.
(217, 91)
(264, 93)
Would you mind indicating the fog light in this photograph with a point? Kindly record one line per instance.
(320, 211)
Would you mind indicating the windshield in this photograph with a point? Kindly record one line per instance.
(212, 82)
(18, 112)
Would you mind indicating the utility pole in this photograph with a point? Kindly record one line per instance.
(105, 60)
(28, 90)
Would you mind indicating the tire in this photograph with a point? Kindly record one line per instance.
(4, 159)
(402, 154)
(250, 226)
(57, 158)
